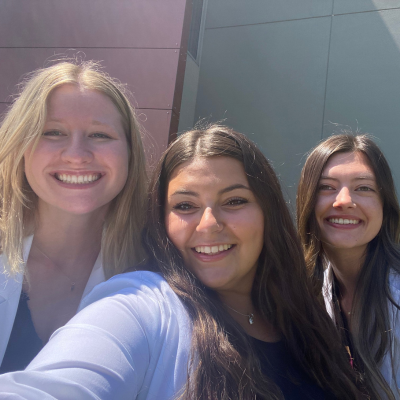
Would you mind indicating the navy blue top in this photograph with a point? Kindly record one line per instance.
(24, 343)
(278, 365)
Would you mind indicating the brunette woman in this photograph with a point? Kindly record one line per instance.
(230, 313)
(72, 185)
(348, 220)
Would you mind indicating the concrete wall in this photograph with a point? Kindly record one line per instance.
(142, 43)
(290, 72)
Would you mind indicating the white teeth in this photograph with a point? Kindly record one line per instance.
(212, 249)
(78, 179)
(344, 221)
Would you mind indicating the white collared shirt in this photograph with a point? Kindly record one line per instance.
(394, 316)
(10, 292)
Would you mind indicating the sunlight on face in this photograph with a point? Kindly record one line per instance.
(349, 209)
(81, 161)
(215, 221)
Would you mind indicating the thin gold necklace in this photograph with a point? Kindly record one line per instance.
(249, 316)
(58, 267)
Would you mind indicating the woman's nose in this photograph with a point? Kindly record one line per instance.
(77, 151)
(344, 199)
(209, 222)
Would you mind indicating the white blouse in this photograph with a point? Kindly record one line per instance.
(131, 341)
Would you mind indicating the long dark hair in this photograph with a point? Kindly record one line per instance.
(372, 333)
(223, 364)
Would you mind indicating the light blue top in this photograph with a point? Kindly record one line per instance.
(132, 340)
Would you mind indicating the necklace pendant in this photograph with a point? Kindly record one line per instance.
(251, 319)
(73, 287)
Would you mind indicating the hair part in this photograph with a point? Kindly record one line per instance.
(372, 332)
(22, 128)
(223, 363)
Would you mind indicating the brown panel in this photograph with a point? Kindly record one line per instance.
(91, 23)
(156, 124)
(149, 73)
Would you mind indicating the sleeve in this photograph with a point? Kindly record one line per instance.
(102, 353)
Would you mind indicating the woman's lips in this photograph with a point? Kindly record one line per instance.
(212, 252)
(78, 181)
(344, 222)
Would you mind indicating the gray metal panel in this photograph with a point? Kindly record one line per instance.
(150, 73)
(186, 117)
(363, 87)
(346, 6)
(238, 12)
(268, 81)
(91, 23)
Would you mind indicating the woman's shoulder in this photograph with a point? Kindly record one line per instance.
(138, 282)
(145, 295)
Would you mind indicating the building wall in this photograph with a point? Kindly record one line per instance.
(142, 43)
(290, 72)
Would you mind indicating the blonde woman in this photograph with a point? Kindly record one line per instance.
(72, 182)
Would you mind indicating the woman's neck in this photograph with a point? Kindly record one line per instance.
(346, 265)
(241, 309)
(70, 241)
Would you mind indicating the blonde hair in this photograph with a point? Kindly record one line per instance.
(22, 127)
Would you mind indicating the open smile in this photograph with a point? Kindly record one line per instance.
(83, 179)
(344, 221)
(213, 250)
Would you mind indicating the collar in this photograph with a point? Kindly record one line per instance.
(327, 291)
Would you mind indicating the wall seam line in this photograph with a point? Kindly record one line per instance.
(269, 22)
(89, 47)
(327, 72)
(301, 19)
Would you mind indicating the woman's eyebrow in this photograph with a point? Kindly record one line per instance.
(222, 191)
(185, 192)
(233, 187)
(360, 177)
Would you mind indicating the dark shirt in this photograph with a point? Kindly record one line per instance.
(278, 365)
(24, 343)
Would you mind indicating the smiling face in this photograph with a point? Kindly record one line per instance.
(81, 161)
(214, 220)
(349, 209)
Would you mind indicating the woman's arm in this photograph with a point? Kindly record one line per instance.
(132, 344)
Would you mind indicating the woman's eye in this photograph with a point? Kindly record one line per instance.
(52, 133)
(99, 135)
(236, 201)
(183, 207)
(325, 187)
(365, 189)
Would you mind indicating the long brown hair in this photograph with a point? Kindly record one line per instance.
(22, 126)
(372, 331)
(223, 364)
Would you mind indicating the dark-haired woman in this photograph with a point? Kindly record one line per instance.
(348, 220)
(229, 315)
